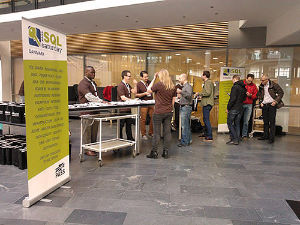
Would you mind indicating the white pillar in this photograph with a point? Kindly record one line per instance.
(5, 85)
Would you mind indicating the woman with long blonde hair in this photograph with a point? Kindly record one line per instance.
(165, 94)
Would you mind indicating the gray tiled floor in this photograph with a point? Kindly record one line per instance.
(204, 184)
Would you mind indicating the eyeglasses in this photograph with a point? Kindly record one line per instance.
(128, 76)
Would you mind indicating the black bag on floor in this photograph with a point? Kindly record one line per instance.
(278, 131)
(196, 126)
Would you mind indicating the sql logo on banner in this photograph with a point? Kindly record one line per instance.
(43, 40)
(226, 72)
(35, 36)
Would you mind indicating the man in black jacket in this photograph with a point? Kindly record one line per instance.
(269, 95)
(234, 109)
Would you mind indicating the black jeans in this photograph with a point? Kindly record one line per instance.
(269, 117)
(128, 123)
(233, 123)
(164, 119)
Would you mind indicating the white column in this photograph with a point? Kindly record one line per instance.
(5, 83)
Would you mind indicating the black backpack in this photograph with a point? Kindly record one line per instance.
(196, 126)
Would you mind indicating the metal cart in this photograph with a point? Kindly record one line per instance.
(257, 124)
(111, 144)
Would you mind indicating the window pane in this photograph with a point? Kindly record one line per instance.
(47, 3)
(24, 5)
(5, 6)
(109, 66)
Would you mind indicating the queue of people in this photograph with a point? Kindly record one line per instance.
(243, 96)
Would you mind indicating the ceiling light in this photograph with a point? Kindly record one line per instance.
(215, 58)
(220, 62)
(207, 53)
(177, 54)
(198, 63)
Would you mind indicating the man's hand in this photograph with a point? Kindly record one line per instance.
(156, 75)
(274, 103)
(248, 94)
(226, 110)
(178, 91)
(261, 105)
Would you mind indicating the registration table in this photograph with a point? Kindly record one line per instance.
(99, 112)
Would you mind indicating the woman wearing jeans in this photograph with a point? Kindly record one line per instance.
(165, 94)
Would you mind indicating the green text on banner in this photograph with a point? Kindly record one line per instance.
(226, 74)
(46, 106)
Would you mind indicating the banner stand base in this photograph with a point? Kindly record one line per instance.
(27, 202)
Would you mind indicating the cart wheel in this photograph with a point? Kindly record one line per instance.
(80, 158)
(133, 153)
(251, 135)
(100, 163)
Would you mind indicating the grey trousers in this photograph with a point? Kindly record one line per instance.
(89, 131)
(165, 120)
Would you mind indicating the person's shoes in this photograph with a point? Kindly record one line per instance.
(232, 142)
(165, 154)
(153, 155)
(263, 138)
(202, 135)
(144, 137)
(181, 145)
(229, 142)
(271, 141)
(207, 139)
(90, 153)
(243, 138)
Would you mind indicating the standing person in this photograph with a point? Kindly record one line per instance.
(175, 118)
(270, 99)
(234, 109)
(185, 100)
(207, 103)
(165, 94)
(144, 95)
(87, 92)
(124, 91)
(248, 103)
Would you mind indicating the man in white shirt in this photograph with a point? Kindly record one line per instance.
(269, 95)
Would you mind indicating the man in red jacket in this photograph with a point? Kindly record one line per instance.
(248, 103)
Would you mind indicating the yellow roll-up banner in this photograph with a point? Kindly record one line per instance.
(46, 107)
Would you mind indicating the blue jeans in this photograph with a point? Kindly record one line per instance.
(247, 110)
(233, 122)
(206, 111)
(185, 116)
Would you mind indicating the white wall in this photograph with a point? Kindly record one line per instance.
(5, 56)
